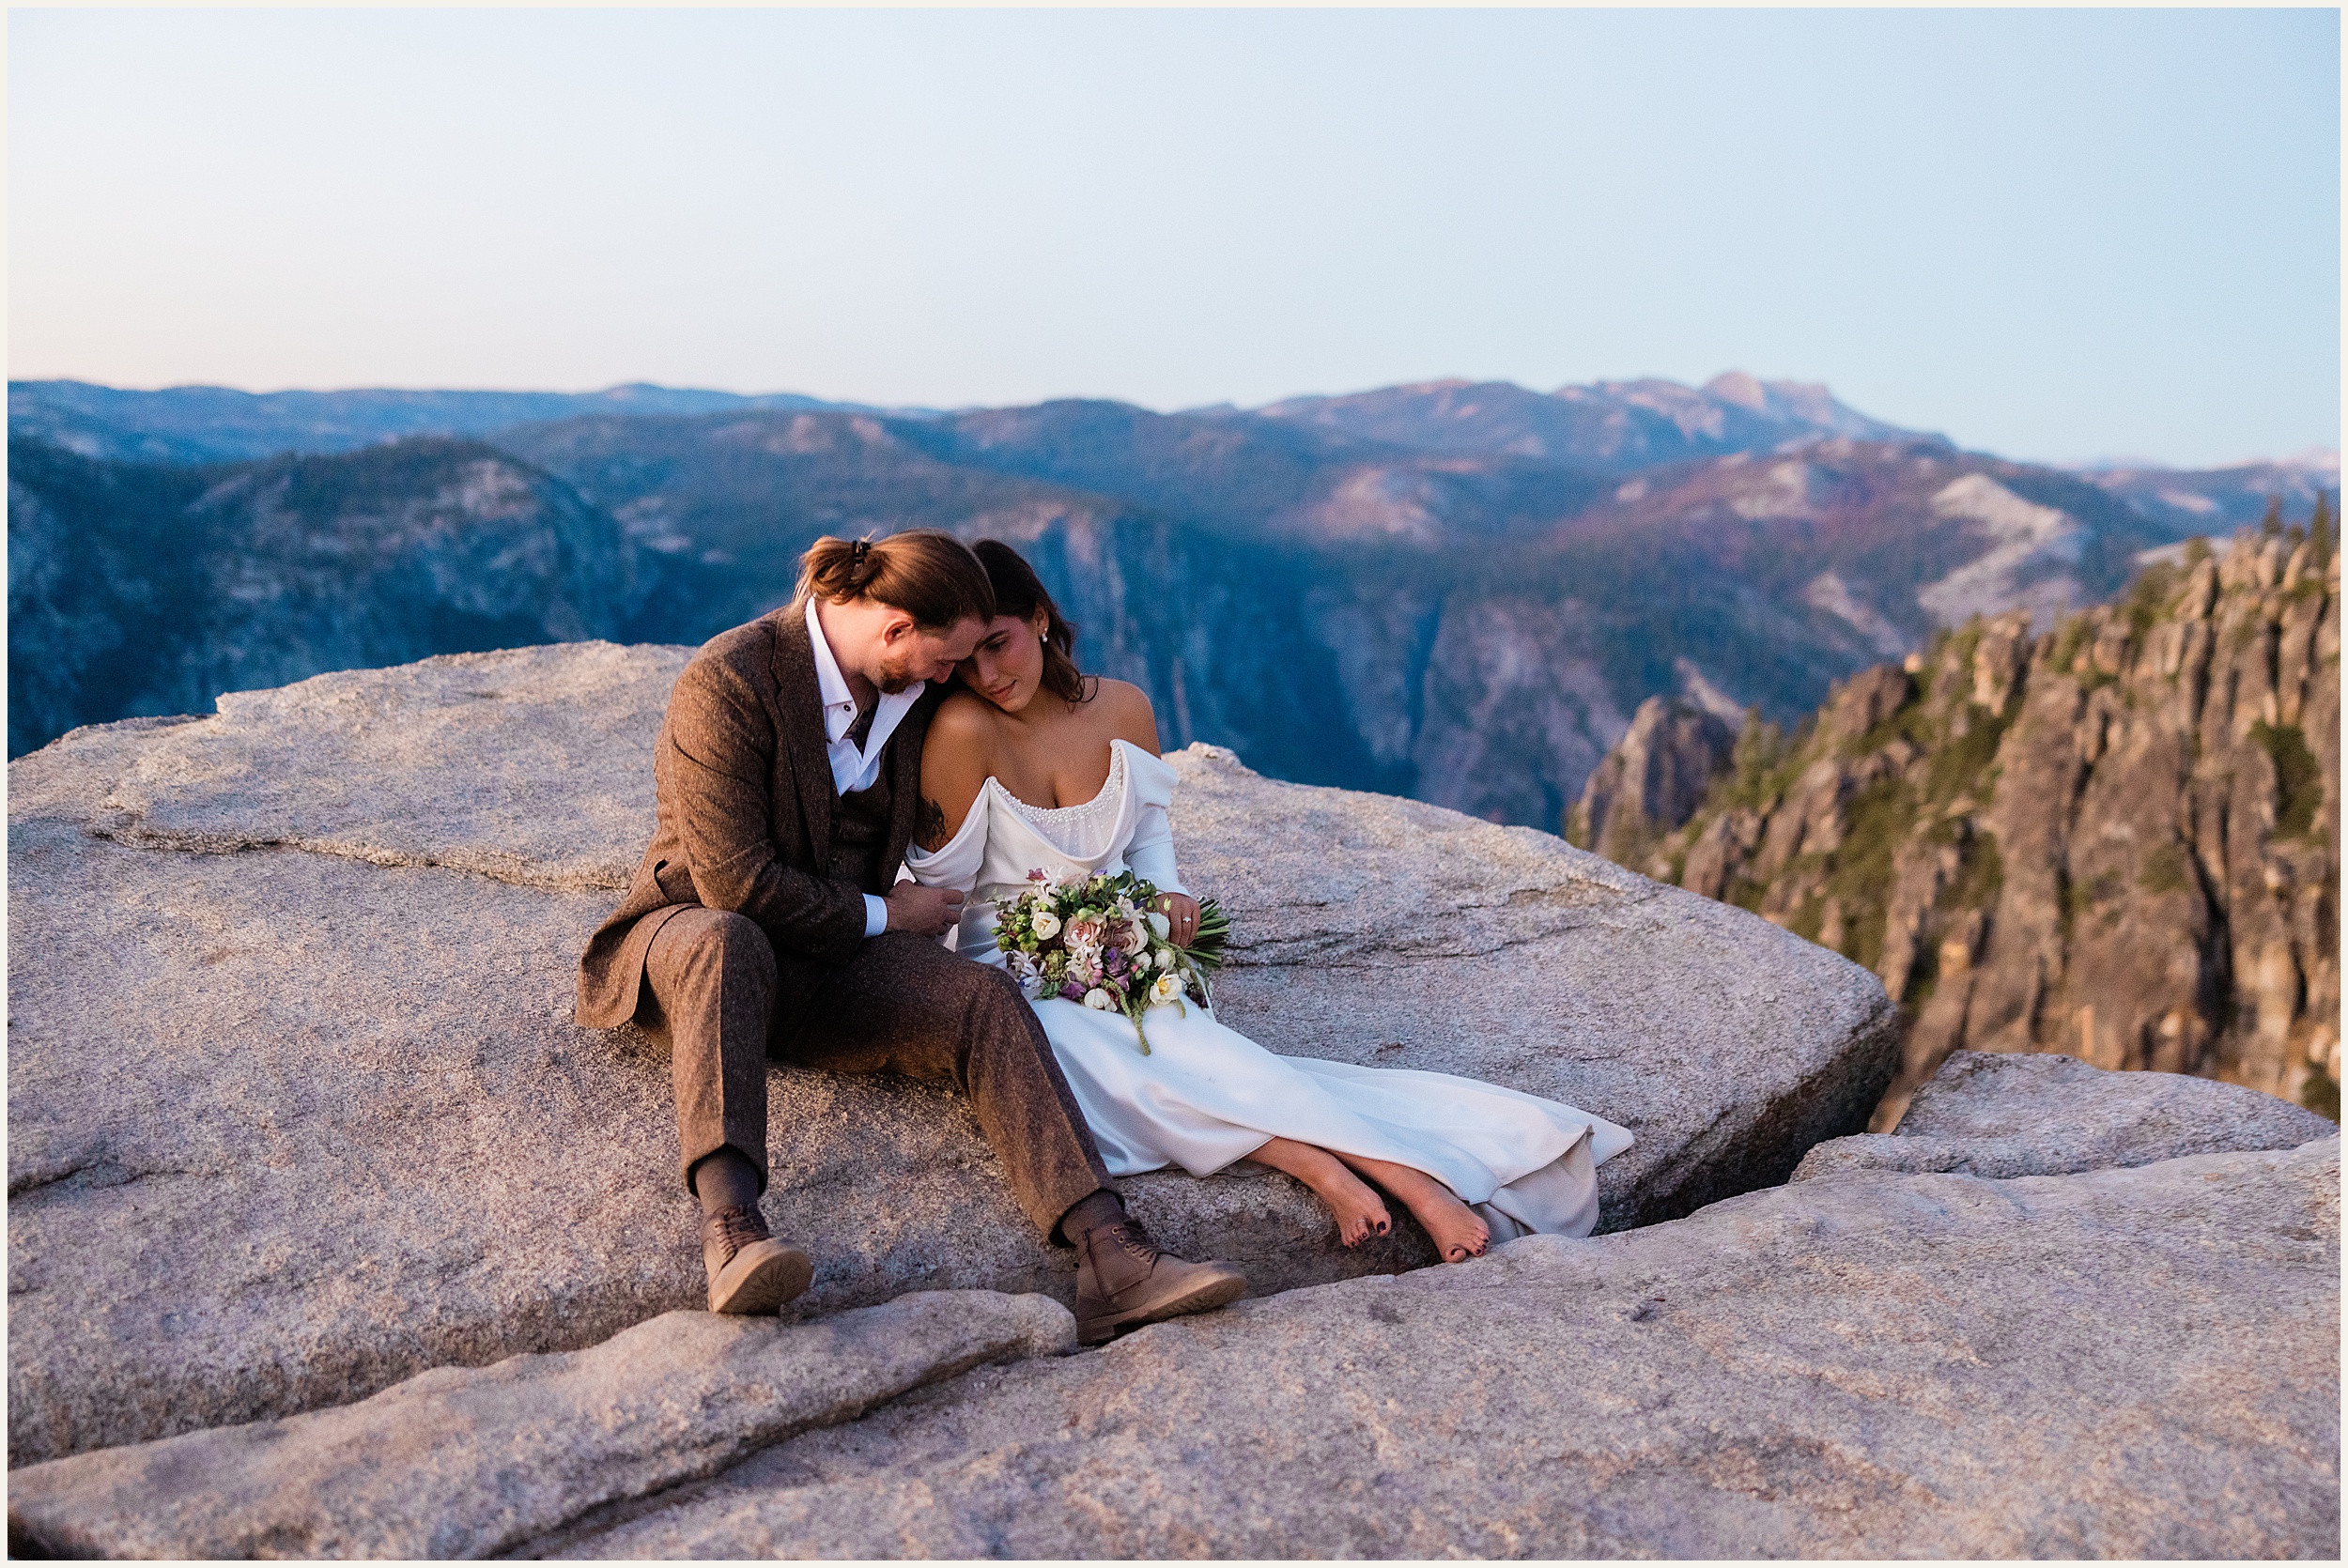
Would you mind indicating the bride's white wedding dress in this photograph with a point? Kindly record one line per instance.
(1207, 1095)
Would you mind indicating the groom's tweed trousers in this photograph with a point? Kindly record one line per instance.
(743, 932)
(901, 1005)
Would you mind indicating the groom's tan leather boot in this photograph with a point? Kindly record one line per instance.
(749, 1271)
(1123, 1281)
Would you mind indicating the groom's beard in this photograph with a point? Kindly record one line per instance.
(897, 676)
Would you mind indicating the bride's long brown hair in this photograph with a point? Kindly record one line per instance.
(1019, 592)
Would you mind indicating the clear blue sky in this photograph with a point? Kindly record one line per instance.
(2057, 235)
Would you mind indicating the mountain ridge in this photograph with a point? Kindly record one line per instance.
(1609, 427)
(1471, 627)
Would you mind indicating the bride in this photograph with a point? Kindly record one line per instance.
(1033, 765)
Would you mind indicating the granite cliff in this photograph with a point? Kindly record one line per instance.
(2117, 837)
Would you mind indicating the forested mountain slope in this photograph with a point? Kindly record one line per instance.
(2116, 840)
(136, 590)
(1472, 627)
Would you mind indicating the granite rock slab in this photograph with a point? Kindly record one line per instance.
(466, 1463)
(1993, 1114)
(297, 1110)
(2140, 1363)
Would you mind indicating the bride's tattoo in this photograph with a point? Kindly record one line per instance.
(929, 827)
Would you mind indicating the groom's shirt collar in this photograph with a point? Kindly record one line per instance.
(852, 768)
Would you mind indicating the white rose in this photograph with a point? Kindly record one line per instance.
(1161, 925)
(1099, 1000)
(1047, 925)
(1165, 987)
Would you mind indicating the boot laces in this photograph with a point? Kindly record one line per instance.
(735, 1228)
(1127, 1237)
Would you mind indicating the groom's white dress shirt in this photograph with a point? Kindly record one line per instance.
(854, 769)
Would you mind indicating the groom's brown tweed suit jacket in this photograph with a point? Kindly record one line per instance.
(744, 820)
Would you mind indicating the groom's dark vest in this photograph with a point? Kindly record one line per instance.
(860, 835)
(748, 818)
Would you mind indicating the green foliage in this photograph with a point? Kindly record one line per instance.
(2152, 596)
(2320, 535)
(2271, 526)
(2320, 1095)
(2195, 551)
(2169, 868)
(1979, 880)
(2072, 636)
(1877, 821)
(1914, 723)
(1761, 765)
(1806, 921)
(2298, 782)
(1966, 642)
(1965, 762)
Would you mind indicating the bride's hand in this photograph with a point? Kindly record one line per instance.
(1182, 913)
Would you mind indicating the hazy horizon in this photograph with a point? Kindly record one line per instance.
(2095, 461)
(2063, 237)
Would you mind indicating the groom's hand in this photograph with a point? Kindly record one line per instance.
(923, 911)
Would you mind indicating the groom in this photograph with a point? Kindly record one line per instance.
(762, 923)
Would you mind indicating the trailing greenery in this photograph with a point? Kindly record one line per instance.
(2152, 596)
(2167, 868)
(1761, 766)
(1965, 761)
(2069, 638)
(2320, 1095)
(1979, 880)
(1878, 819)
(2298, 781)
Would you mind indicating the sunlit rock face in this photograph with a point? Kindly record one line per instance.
(2115, 837)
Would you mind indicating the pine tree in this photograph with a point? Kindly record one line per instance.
(2271, 526)
(2320, 530)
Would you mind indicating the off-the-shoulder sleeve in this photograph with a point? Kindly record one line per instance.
(957, 864)
(1149, 853)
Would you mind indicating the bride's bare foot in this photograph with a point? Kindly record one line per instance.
(1355, 1202)
(1458, 1234)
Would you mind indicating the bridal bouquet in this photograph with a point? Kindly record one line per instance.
(1096, 940)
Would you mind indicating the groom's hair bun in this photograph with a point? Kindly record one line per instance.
(926, 572)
